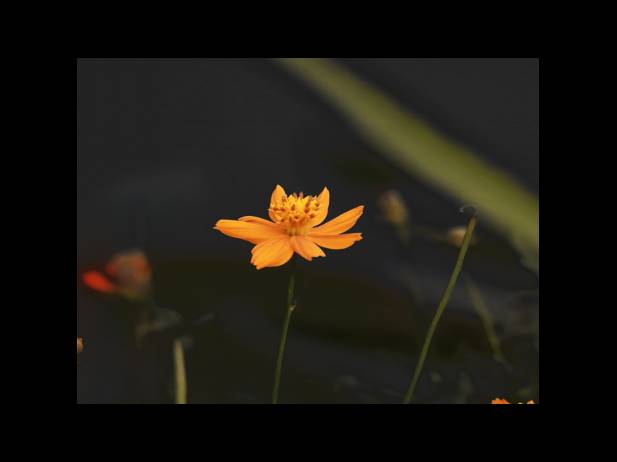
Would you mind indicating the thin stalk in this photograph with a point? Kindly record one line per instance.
(487, 322)
(471, 224)
(180, 372)
(146, 311)
(281, 352)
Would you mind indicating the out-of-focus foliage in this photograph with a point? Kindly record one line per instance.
(422, 151)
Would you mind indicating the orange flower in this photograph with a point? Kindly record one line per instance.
(294, 228)
(503, 401)
(80, 345)
(128, 274)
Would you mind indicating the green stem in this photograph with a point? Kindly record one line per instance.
(281, 352)
(442, 306)
(180, 372)
(481, 309)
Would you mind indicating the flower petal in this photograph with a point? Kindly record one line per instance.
(341, 223)
(250, 219)
(277, 194)
(306, 248)
(273, 252)
(248, 231)
(337, 241)
(98, 282)
(275, 198)
(324, 203)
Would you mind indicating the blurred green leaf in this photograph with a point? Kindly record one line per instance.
(422, 151)
(163, 319)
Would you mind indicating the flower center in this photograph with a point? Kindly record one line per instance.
(295, 212)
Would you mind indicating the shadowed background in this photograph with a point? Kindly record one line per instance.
(167, 147)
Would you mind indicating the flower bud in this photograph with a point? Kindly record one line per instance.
(394, 208)
(456, 236)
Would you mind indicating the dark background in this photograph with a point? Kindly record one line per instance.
(168, 147)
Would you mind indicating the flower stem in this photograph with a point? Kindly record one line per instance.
(471, 224)
(180, 372)
(279, 359)
(487, 322)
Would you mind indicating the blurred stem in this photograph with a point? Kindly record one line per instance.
(281, 353)
(480, 306)
(144, 317)
(146, 310)
(180, 372)
(404, 233)
(429, 233)
(471, 224)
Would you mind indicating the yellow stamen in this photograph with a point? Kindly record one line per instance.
(295, 212)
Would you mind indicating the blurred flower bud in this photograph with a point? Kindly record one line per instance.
(455, 236)
(394, 208)
(132, 272)
(80, 345)
(128, 274)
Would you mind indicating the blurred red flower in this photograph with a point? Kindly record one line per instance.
(128, 274)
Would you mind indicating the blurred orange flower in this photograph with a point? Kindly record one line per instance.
(80, 345)
(294, 227)
(503, 401)
(128, 274)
